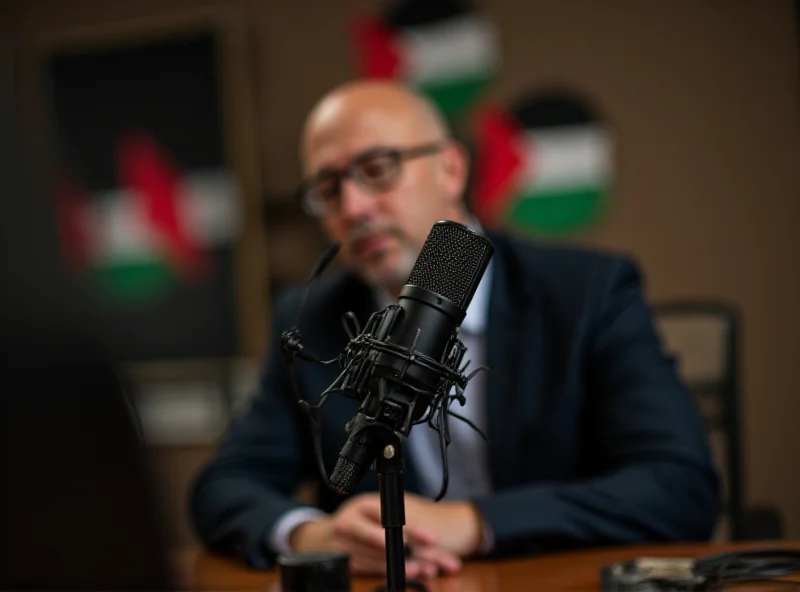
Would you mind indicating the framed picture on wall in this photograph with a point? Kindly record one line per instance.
(152, 128)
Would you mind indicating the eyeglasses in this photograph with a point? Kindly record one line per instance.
(377, 170)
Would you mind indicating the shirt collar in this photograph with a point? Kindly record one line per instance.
(474, 322)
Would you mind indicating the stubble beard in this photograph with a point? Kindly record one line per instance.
(378, 274)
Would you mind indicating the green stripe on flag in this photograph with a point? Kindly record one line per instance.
(132, 281)
(557, 210)
(455, 94)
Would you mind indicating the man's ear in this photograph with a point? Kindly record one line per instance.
(455, 170)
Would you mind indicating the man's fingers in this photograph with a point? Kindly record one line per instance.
(369, 508)
(369, 533)
(414, 569)
(369, 505)
(361, 529)
(359, 533)
(366, 565)
(418, 534)
(426, 562)
(445, 561)
(355, 548)
(421, 569)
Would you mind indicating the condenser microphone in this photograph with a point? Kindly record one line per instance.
(409, 354)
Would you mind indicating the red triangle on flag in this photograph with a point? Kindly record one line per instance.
(377, 49)
(499, 162)
(144, 168)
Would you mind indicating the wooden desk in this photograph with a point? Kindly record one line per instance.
(573, 571)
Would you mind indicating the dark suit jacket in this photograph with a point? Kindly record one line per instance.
(593, 438)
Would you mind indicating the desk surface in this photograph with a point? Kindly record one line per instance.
(573, 571)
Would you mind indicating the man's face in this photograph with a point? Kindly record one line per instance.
(381, 232)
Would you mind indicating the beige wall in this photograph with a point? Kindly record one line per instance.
(703, 97)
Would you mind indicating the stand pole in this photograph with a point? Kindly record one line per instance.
(393, 519)
(389, 466)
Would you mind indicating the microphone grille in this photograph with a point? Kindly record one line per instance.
(346, 476)
(452, 262)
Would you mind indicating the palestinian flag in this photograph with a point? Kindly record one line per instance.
(150, 208)
(153, 231)
(440, 47)
(543, 166)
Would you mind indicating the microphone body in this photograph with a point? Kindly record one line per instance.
(409, 354)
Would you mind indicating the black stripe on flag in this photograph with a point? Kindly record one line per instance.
(415, 13)
(553, 109)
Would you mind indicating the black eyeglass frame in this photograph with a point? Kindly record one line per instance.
(399, 155)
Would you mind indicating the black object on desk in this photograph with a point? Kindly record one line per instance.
(769, 566)
(315, 571)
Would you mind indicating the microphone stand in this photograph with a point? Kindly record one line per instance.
(389, 466)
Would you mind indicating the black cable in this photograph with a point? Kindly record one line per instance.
(723, 586)
(766, 566)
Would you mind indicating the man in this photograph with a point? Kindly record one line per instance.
(592, 437)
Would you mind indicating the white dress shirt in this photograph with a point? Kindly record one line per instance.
(467, 454)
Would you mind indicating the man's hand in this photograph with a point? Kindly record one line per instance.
(458, 526)
(356, 529)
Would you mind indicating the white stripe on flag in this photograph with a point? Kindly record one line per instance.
(214, 208)
(210, 211)
(457, 48)
(116, 230)
(573, 156)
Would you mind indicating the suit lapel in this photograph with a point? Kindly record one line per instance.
(513, 347)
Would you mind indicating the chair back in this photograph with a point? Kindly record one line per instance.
(703, 336)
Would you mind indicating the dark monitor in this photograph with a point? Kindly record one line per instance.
(77, 509)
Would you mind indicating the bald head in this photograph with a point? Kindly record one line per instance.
(380, 169)
(399, 111)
